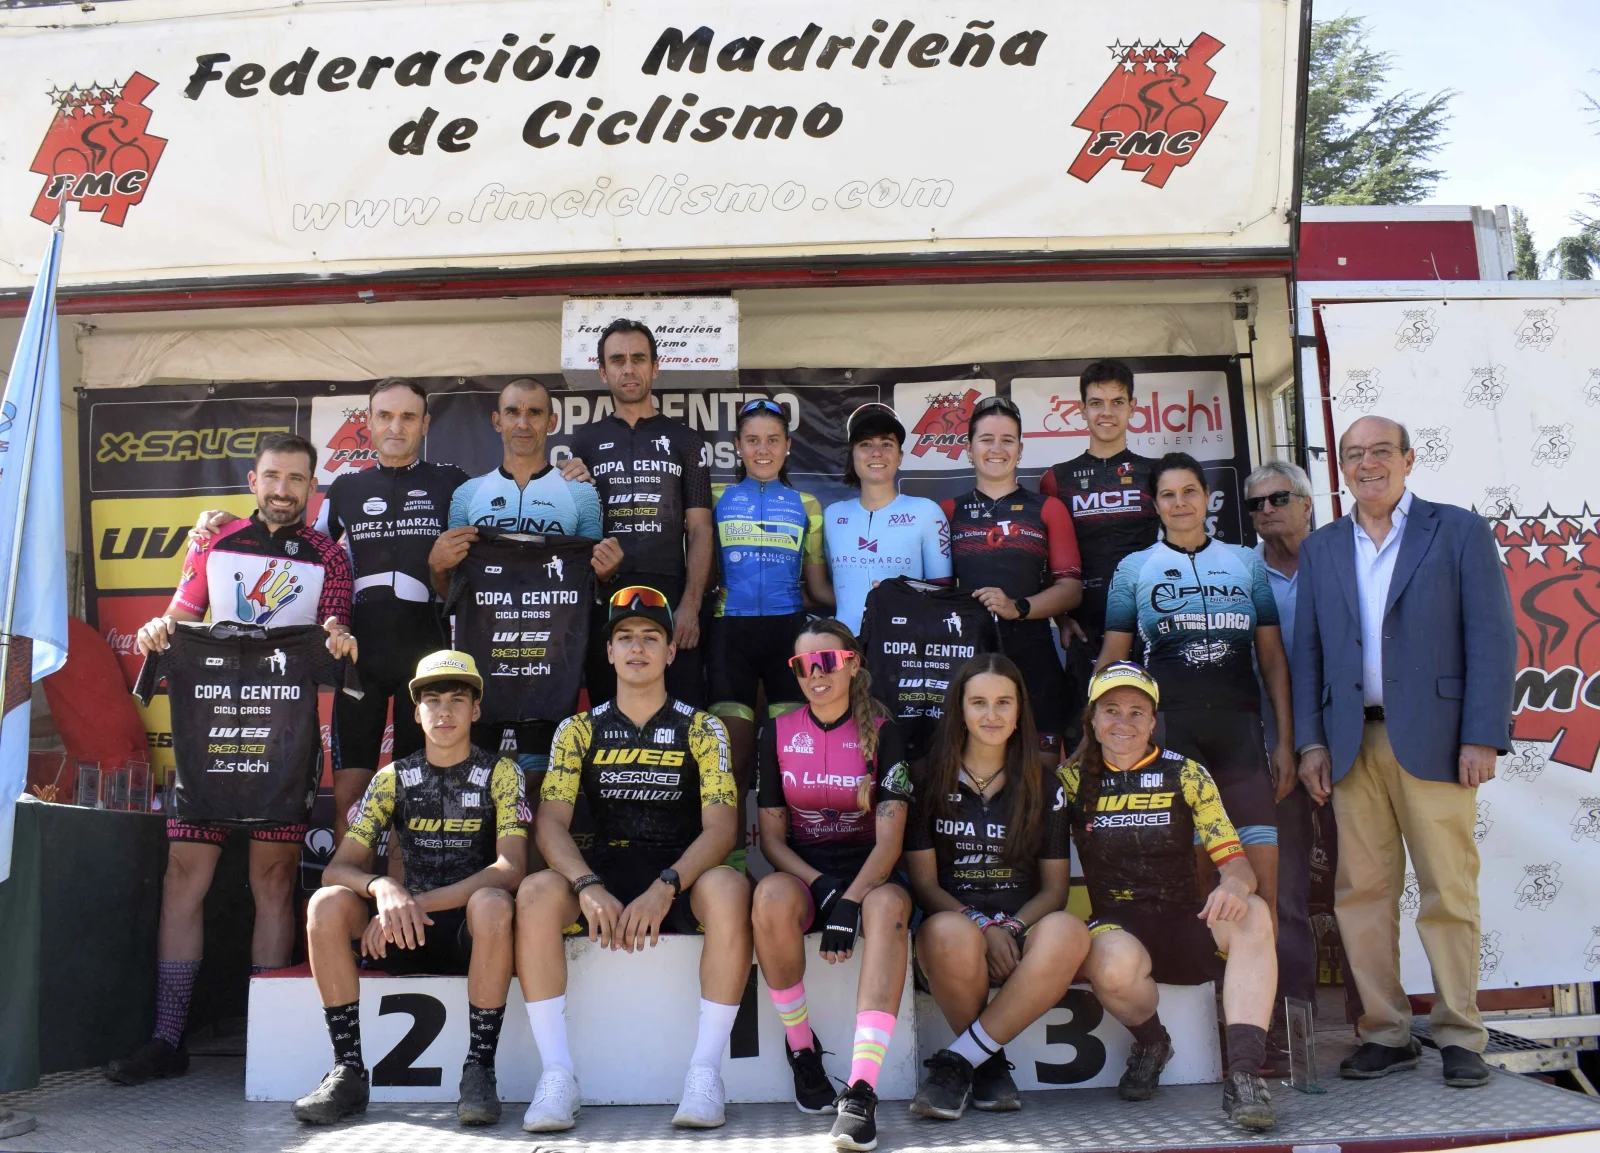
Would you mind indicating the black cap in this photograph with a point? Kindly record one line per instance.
(638, 601)
(875, 419)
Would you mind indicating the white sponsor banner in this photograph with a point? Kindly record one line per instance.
(693, 333)
(322, 137)
(1502, 398)
(1172, 412)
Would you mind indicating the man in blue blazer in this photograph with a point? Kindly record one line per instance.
(1403, 612)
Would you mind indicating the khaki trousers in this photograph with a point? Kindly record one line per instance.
(1378, 803)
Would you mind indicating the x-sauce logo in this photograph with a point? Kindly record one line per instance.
(1153, 112)
(97, 150)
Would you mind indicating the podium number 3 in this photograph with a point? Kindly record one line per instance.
(1089, 1056)
(427, 1021)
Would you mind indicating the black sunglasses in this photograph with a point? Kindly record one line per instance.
(1278, 499)
(996, 404)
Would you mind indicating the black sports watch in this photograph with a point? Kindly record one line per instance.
(1023, 608)
(670, 876)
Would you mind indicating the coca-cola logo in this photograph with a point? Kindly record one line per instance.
(122, 644)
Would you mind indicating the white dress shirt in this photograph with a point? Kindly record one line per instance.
(1374, 570)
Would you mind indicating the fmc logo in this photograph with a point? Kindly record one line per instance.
(350, 445)
(97, 150)
(943, 427)
(1153, 112)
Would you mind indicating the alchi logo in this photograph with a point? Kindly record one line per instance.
(96, 150)
(943, 427)
(1538, 329)
(1432, 446)
(1539, 886)
(1417, 330)
(1361, 389)
(1487, 387)
(1153, 112)
(350, 446)
(1553, 445)
(274, 590)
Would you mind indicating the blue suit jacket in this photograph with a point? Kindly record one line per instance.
(1449, 643)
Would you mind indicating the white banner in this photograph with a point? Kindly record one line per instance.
(698, 334)
(1501, 400)
(318, 137)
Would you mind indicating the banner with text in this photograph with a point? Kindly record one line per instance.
(312, 138)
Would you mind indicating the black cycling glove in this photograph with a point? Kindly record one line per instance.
(839, 931)
(825, 890)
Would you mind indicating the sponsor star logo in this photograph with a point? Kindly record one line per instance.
(97, 150)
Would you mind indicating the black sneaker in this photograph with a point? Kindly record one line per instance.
(1464, 1069)
(478, 1103)
(813, 1092)
(343, 1093)
(1247, 1103)
(1373, 1060)
(993, 1090)
(856, 1127)
(944, 1095)
(155, 1059)
(1145, 1063)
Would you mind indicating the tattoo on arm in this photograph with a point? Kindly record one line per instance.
(886, 809)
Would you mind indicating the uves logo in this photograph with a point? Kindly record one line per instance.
(97, 150)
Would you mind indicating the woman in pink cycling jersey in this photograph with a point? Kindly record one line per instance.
(833, 789)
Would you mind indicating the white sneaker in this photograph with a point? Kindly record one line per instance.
(555, 1103)
(701, 1107)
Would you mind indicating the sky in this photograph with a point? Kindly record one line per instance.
(1520, 134)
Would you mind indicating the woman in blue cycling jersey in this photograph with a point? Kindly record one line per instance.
(1207, 616)
(769, 551)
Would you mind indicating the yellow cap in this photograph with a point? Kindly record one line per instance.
(446, 665)
(1123, 674)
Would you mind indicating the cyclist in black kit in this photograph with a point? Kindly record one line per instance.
(653, 474)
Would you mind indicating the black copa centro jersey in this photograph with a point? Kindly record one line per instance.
(648, 475)
(245, 730)
(388, 519)
(522, 608)
(916, 635)
(969, 844)
(1113, 514)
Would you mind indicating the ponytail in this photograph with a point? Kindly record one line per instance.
(865, 710)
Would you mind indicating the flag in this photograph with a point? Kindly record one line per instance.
(32, 533)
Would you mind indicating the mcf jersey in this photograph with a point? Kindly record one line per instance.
(1113, 515)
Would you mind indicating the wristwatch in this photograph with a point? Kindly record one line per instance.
(1023, 608)
(670, 876)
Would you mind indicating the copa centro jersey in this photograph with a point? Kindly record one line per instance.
(245, 730)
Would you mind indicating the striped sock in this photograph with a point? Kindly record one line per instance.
(791, 1006)
(975, 1044)
(873, 1030)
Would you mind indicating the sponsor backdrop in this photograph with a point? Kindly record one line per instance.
(1502, 398)
(519, 131)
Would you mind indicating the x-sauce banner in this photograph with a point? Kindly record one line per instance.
(319, 137)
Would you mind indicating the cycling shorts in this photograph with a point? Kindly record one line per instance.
(213, 833)
(392, 636)
(817, 919)
(742, 652)
(446, 949)
(1032, 646)
(628, 875)
(1181, 947)
(1229, 744)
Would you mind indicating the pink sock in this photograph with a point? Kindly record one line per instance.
(791, 1006)
(873, 1030)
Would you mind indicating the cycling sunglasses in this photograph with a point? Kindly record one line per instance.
(995, 404)
(648, 597)
(1278, 500)
(826, 661)
(763, 404)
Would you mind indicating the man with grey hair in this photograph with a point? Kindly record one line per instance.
(1278, 499)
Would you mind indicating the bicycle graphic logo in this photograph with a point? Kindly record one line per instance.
(97, 151)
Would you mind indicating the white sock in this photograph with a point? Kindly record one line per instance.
(548, 1020)
(716, 1023)
(975, 1045)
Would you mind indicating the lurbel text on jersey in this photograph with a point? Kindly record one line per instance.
(248, 692)
(531, 597)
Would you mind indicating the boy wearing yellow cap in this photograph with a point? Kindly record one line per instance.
(457, 814)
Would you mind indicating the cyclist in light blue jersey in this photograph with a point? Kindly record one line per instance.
(882, 533)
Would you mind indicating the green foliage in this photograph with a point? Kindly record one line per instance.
(1525, 265)
(1575, 257)
(1364, 147)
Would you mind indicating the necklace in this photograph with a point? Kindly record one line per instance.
(982, 786)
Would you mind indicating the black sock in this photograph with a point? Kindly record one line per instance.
(344, 1030)
(1151, 1032)
(1247, 1049)
(484, 1035)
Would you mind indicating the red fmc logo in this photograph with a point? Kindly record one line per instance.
(943, 427)
(350, 446)
(97, 151)
(1552, 564)
(1153, 112)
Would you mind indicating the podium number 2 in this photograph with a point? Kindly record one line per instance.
(427, 1021)
(1089, 1056)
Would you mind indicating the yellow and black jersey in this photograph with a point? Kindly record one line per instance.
(1137, 846)
(446, 821)
(645, 785)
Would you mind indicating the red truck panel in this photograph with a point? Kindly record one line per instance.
(1388, 250)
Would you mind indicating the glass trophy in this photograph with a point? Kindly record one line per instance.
(114, 785)
(1298, 1017)
(89, 784)
(138, 787)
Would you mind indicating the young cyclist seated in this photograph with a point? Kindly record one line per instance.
(454, 810)
(660, 835)
(1150, 923)
(988, 851)
(833, 790)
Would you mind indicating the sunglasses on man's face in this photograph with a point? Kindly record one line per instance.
(826, 661)
(1254, 504)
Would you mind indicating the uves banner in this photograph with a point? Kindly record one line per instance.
(303, 138)
(1501, 399)
(154, 458)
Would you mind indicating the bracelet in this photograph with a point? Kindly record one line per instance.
(370, 882)
(1011, 925)
(981, 920)
(585, 881)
